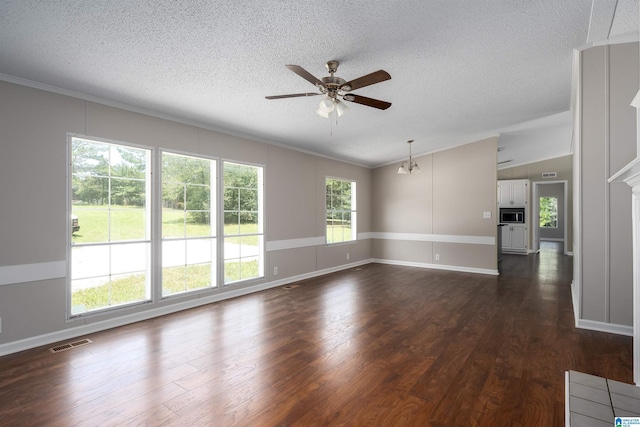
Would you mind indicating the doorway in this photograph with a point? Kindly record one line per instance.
(549, 206)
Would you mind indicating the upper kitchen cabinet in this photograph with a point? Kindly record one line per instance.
(513, 192)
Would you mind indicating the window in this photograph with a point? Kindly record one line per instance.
(341, 210)
(243, 230)
(549, 212)
(112, 254)
(110, 261)
(188, 223)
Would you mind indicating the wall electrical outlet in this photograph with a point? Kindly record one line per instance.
(486, 214)
(275, 271)
(437, 257)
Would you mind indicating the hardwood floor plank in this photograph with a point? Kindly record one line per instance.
(131, 409)
(496, 395)
(408, 410)
(380, 345)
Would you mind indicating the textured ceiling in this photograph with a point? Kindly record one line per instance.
(461, 70)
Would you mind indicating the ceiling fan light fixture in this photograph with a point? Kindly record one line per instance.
(321, 113)
(326, 105)
(341, 108)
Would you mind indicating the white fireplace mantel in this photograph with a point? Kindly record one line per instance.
(629, 174)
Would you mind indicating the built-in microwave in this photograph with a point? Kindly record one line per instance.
(512, 215)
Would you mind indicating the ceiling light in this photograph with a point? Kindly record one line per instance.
(326, 106)
(322, 113)
(409, 166)
(341, 108)
(330, 104)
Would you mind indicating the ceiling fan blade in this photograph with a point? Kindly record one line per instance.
(369, 102)
(369, 79)
(305, 75)
(293, 95)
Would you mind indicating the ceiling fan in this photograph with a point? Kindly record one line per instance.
(334, 87)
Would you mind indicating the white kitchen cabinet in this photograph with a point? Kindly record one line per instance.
(513, 193)
(514, 238)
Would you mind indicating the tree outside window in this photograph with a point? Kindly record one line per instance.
(549, 212)
(243, 225)
(188, 223)
(341, 210)
(110, 252)
(111, 244)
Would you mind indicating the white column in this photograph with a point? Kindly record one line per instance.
(630, 174)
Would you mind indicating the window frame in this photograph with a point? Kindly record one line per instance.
(353, 211)
(261, 187)
(153, 195)
(213, 223)
(148, 226)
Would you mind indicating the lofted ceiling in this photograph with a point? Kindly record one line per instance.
(461, 70)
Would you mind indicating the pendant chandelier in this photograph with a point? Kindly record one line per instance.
(409, 167)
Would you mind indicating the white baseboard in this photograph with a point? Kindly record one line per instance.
(593, 325)
(611, 328)
(90, 328)
(438, 266)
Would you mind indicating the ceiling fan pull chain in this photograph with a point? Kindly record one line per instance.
(331, 124)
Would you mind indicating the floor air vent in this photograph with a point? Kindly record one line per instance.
(70, 345)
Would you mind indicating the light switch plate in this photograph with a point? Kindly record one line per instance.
(486, 214)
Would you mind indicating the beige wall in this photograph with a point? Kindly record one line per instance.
(416, 217)
(405, 219)
(609, 81)
(33, 187)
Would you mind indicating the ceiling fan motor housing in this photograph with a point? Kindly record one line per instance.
(332, 66)
(333, 82)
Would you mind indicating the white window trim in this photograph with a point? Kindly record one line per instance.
(353, 211)
(153, 224)
(149, 186)
(213, 182)
(261, 222)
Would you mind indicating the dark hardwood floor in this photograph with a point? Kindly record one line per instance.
(378, 345)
